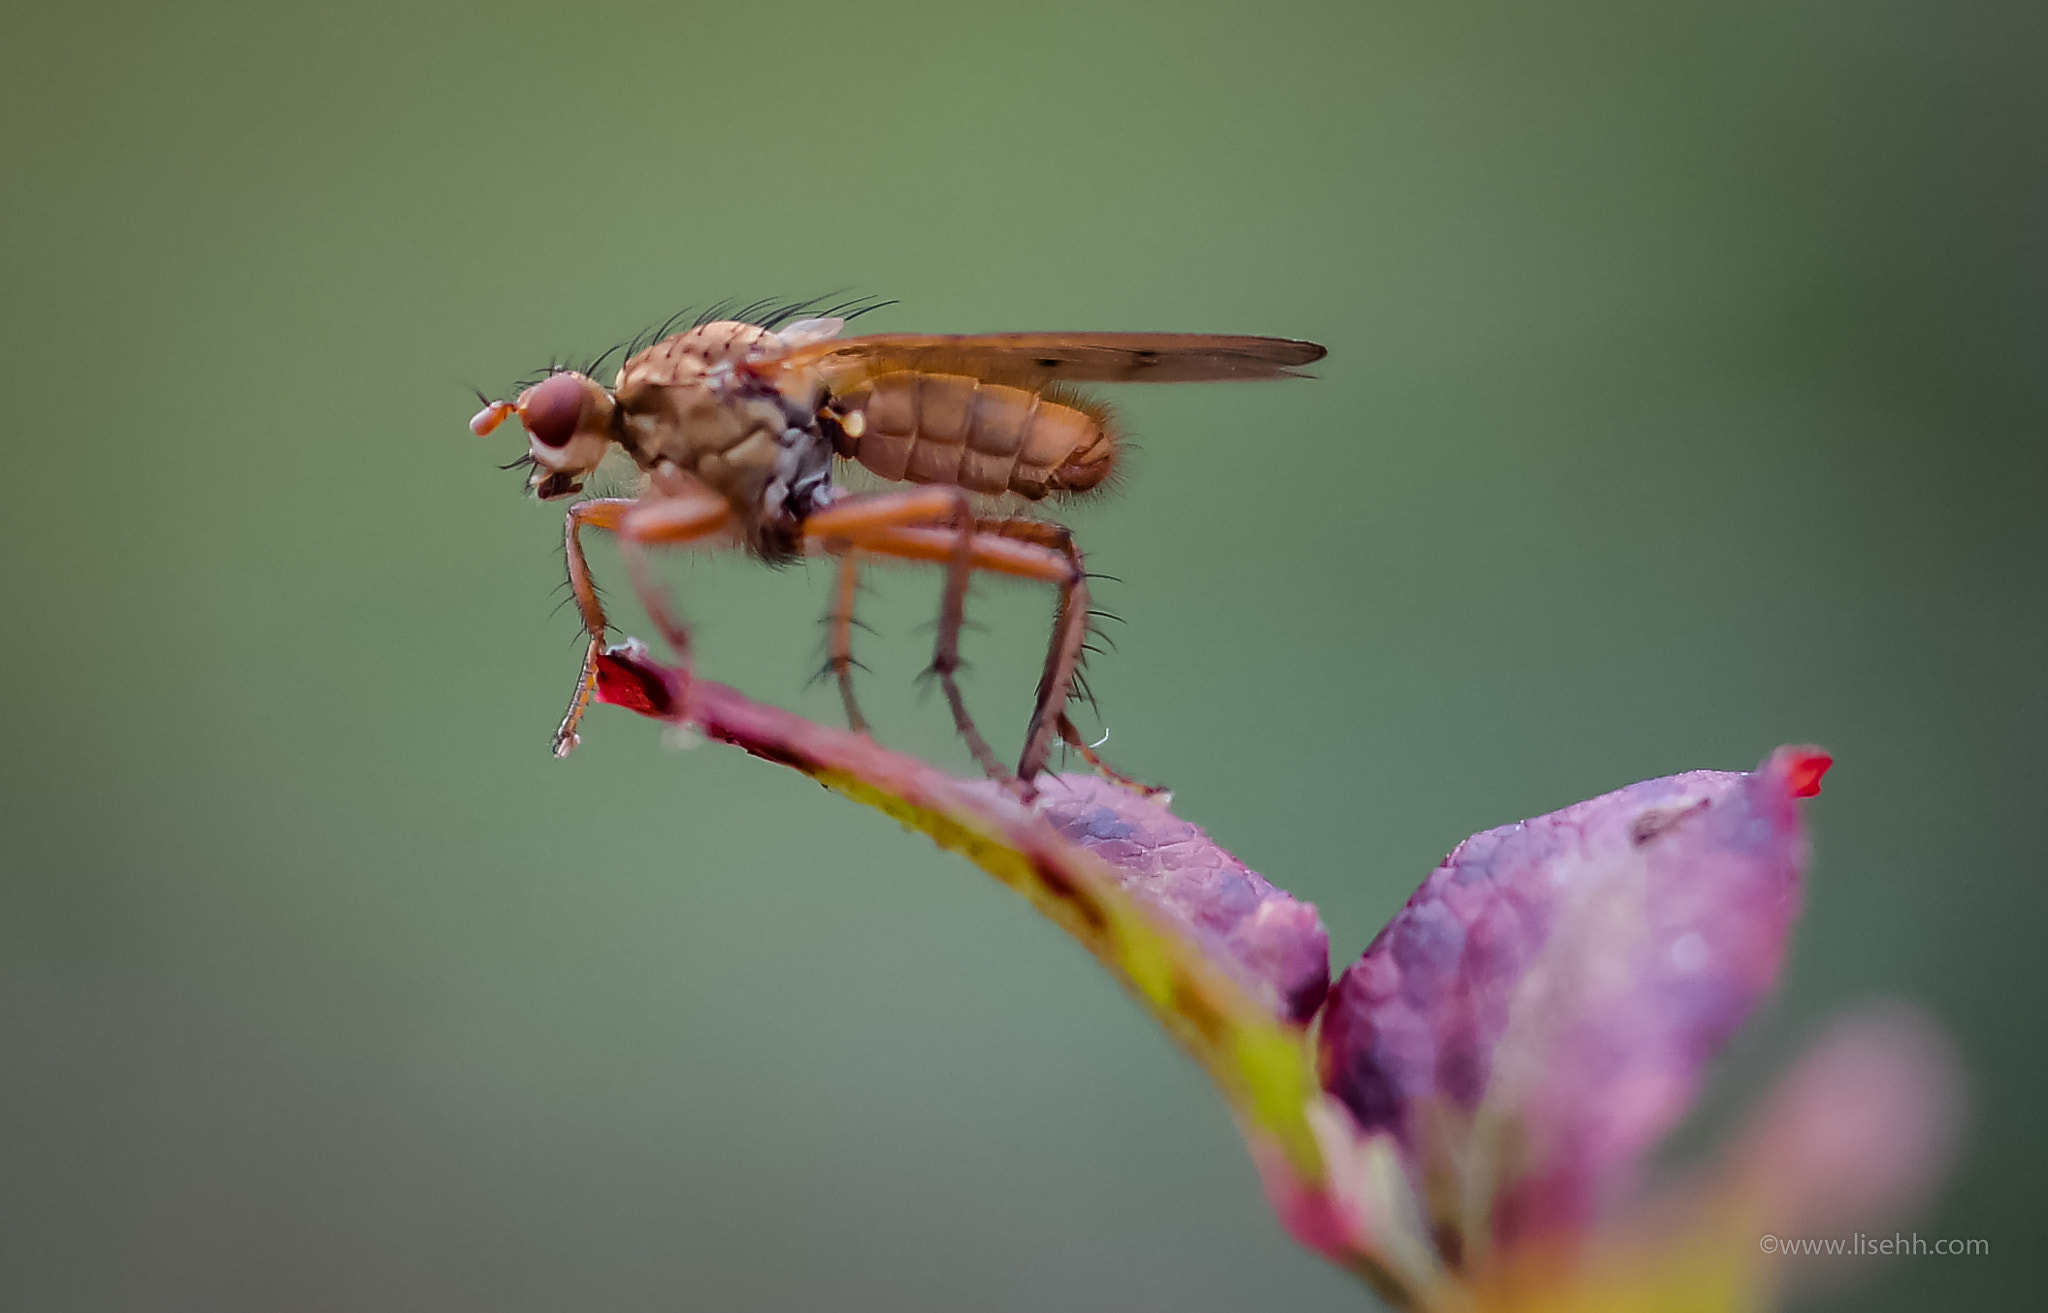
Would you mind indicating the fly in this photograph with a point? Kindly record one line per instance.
(738, 428)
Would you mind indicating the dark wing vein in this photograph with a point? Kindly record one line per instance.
(1070, 357)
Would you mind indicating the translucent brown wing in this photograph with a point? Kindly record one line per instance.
(1063, 357)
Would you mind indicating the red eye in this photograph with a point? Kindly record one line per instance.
(551, 410)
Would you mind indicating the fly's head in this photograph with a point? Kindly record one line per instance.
(568, 420)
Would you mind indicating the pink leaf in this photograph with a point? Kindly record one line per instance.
(1540, 1012)
(1273, 944)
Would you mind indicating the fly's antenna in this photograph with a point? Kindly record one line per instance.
(485, 421)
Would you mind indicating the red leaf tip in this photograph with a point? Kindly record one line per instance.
(1803, 768)
(625, 677)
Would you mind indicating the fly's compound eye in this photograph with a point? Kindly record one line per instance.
(552, 408)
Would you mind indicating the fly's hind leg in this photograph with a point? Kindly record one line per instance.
(907, 525)
(1064, 647)
(1063, 657)
(1088, 754)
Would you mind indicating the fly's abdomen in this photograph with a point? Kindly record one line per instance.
(990, 438)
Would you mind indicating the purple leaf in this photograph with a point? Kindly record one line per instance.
(1272, 944)
(1225, 963)
(1540, 1012)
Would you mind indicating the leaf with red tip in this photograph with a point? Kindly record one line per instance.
(1803, 769)
(624, 677)
(1228, 964)
(1540, 1012)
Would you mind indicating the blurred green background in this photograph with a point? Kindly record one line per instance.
(1684, 398)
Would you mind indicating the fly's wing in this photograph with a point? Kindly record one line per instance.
(1056, 357)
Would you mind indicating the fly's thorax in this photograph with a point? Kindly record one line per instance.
(690, 356)
(738, 435)
(687, 401)
(704, 429)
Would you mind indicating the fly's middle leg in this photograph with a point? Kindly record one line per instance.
(952, 615)
(904, 524)
(839, 644)
(673, 521)
(936, 524)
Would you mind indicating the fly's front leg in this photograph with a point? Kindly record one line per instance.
(635, 521)
(597, 513)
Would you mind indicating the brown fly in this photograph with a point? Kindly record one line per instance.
(738, 426)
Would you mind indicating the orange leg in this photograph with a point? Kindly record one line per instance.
(1061, 539)
(903, 525)
(696, 514)
(1063, 659)
(952, 618)
(670, 519)
(933, 524)
(1108, 772)
(597, 513)
(1062, 651)
(877, 518)
(839, 650)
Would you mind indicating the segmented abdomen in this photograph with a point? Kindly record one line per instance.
(990, 438)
